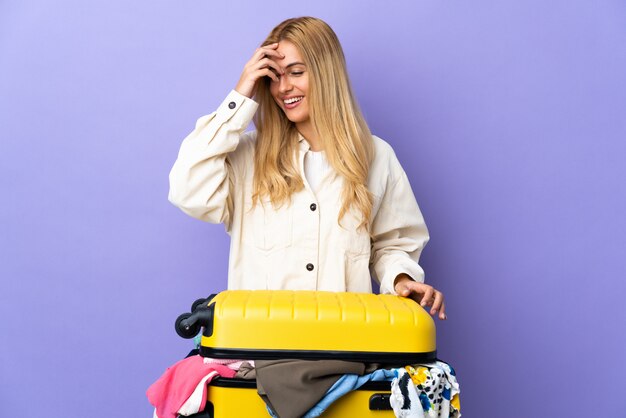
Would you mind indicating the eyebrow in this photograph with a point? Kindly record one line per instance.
(295, 63)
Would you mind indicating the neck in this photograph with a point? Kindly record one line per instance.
(307, 131)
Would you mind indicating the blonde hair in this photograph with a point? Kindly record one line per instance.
(334, 114)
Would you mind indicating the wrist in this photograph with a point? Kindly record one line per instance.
(241, 91)
(245, 89)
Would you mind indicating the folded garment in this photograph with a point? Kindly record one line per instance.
(197, 400)
(246, 371)
(291, 387)
(345, 384)
(233, 364)
(180, 381)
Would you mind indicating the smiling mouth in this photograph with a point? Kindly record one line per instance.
(292, 102)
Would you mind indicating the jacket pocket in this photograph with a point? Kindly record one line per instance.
(273, 227)
(357, 273)
(355, 241)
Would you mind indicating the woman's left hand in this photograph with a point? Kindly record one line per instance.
(422, 293)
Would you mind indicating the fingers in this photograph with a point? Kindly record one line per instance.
(264, 67)
(438, 300)
(267, 63)
(404, 290)
(267, 72)
(428, 295)
(260, 65)
(442, 312)
(264, 58)
(266, 51)
(272, 53)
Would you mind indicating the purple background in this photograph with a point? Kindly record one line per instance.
(509, 118)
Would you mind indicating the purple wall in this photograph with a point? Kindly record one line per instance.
(509, 119)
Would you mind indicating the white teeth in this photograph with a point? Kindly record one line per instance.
(293, 100)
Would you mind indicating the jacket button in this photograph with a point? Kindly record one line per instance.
(309, 267)
(232, 105)
(313, 206)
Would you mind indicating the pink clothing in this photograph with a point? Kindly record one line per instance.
(177, 384)
(231, 363)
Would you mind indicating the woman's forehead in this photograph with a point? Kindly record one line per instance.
(291, 53)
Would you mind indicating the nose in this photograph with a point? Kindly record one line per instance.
(284, 84)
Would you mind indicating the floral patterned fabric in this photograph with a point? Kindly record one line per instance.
(434, 385)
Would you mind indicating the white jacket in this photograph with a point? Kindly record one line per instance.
(299, 246)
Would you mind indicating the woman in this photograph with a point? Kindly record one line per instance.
(311, 199)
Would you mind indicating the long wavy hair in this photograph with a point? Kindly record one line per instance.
(334, 114)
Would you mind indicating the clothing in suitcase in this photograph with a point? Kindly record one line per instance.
(233, 398)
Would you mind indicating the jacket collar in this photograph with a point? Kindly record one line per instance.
(304, 144)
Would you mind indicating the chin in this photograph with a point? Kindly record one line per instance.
(296, 119)
(293, 118)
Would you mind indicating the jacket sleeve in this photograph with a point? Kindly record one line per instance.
(399, 233)
(201, 178)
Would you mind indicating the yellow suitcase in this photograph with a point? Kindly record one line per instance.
(308, 325)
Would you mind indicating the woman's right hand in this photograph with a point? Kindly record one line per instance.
(422, 293)
(260, 65)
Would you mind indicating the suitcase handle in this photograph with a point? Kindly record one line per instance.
(380, 402)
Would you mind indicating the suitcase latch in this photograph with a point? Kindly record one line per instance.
(380, 402)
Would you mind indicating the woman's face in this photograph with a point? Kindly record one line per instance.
(291, 89)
